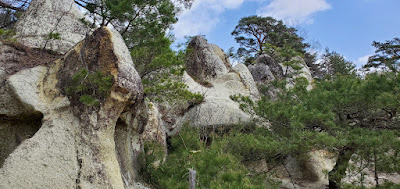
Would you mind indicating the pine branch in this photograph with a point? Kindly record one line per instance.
(8, 6)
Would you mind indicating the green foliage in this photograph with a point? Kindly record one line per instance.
(216, 167)
(8, 35)
(156, 56)
(387, 55)
(162, 75)
(55, 36)
(171, 91)
(286, 55)
(89, 100)
(138, 21)
(345, 112)
(334, 64)
(280, 84)
(253, 32)
(89, 88)
(245, 102)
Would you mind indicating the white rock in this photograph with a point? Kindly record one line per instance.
(47, 160)
(203, 63)
(218, 109)
(304, 72)
(222, 55)
(26, 87)
(44, 17)
(76, 145)
(247, 80)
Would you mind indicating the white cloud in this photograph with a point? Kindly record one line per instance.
(362, 60)
(203, 16)
(294, 11)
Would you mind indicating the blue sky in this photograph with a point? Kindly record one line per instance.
(346, 26)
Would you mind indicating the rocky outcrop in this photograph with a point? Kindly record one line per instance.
(222, 55)
(52, 24)
(218, 109)
(203, 63)
(77, 144)
(304, 72)
(266, 70)
(247, 80)
(206, 62)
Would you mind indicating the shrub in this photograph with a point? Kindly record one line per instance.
(89, 88)
(216, 164)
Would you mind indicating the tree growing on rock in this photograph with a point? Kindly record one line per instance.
(253, 33)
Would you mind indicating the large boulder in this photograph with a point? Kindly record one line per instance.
(222, 55)
(266, 69)
(247, 80)
(304, 72)
(210, 74)
(78, 145)
(218, 109)
(203, 63)
(52, 24)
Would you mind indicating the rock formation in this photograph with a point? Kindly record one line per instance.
(75, 146)
(304, 73)
(72, 113)
(266, 70)
(208, 62)
(56, 25)
(203, 63)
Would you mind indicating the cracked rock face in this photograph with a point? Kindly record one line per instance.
(75, 146)
(58, 17)
(266, 70)
(203, 62)
(209, 62)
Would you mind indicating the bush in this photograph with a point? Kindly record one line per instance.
(217, 165)
(89, 88)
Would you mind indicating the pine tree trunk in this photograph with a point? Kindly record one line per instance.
(339, 171)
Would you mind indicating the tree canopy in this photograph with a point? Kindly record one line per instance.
(356, 118)
(253, 32)
(334, 63)
(387, 55)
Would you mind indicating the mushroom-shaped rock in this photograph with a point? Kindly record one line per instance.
(52, 24)
(203, 63)
(75, 146)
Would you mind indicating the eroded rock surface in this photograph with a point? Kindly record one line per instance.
(247, 80)
(203, 63)
(304, 72)
(206, 62)
(75, 146)
(267, 70)
(51, 24)
(218, 109)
